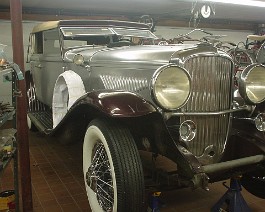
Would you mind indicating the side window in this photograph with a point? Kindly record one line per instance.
(51, 43)
(36, 43)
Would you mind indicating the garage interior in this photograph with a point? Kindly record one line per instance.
(56, 169)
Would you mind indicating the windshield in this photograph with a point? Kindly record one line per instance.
(80, 36)
(134, 33)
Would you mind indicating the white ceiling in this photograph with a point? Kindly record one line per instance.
(173, 9)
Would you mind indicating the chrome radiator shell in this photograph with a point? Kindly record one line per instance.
(212, 78)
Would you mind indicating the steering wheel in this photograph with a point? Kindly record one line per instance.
(120, 43)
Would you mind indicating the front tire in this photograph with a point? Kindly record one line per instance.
(112, 168)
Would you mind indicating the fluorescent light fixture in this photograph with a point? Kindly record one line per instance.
(252, 3)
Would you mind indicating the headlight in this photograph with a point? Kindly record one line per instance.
(78, 59)
(252, 84)
(171, 87)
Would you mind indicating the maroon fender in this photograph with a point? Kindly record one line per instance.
(117, 103)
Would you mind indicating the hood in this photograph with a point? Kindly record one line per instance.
(155, 54)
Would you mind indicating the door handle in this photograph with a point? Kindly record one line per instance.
(39, 66)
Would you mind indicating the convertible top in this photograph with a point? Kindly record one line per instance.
(87, 23)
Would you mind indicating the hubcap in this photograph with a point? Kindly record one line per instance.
(99, 178)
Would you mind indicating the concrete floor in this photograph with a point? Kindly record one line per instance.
(57, 182)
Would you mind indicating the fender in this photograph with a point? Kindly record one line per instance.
(247, 130)
(245, 140)
(111, 103)
(127, 105)
(116, 103)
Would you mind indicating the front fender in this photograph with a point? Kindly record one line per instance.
(245, 141)
(116, 103)
(247, 130)
(100, 104)
(137, 114)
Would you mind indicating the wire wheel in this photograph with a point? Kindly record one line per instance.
(112, 168)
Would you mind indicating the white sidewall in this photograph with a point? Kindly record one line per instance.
(68, 88)
(92, 136)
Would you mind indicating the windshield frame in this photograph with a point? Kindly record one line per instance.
(109, 32)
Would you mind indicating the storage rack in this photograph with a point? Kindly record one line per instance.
(11, 72)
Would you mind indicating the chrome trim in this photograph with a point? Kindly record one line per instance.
(260, 122)
(208, 73)
(132, 84)
(209, 155)
(190, 132)
(254, 120)
(242, 83)
(168, 115)
(33, 103)
(154, 78)
(77, 61)
(260, 56)
(210, 105)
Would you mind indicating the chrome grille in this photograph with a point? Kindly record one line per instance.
(211, 84)
(211, 91)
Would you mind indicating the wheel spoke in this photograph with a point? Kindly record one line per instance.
(106, 195)
(105, 183)
(99, 177)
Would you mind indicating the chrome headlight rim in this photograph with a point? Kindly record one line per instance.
(78, 59)
(242, 84)
(154, 79)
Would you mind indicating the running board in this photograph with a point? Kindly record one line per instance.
(42, 120)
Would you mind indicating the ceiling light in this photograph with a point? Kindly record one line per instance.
(206, 11)
(251, 3)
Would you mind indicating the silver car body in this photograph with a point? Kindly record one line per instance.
(117, 79)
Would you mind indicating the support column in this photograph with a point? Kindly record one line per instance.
(22, 129)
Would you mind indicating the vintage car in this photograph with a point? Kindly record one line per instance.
(249, 52)
(149, 115)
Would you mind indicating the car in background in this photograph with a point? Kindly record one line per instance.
(148, 115)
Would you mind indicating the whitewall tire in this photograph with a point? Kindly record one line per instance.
(112, 168)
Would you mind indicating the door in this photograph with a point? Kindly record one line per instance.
(46, 63)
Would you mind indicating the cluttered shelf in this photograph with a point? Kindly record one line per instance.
(9, 73)
(7, 153)
(6, 112)
(5, 157)
(7, 146)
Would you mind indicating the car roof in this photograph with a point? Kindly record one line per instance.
(87, 23)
